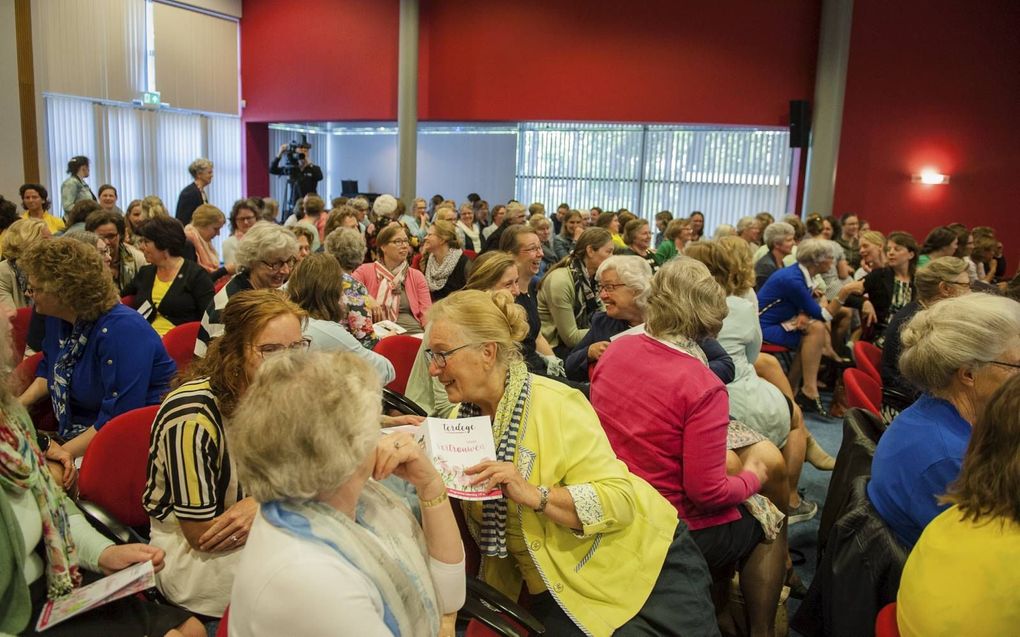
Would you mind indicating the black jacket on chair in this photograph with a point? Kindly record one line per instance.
(189, 295)
(858, 575)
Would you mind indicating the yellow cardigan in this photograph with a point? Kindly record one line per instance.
(602, 575)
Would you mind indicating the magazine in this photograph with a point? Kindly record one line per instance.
(129, 581)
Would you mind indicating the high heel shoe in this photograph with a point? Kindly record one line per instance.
(810, 405)
(817, 456)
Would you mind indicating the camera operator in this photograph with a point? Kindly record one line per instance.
(302, 173)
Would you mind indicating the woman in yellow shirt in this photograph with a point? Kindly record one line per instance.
(961, 578)
(36, 201)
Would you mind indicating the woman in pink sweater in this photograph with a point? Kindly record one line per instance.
(675, 436)
(400, 292)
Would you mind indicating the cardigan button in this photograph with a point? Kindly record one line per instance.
(109, 361)
(114, 394)
(536, 545)
(104, 330)
(558, 587)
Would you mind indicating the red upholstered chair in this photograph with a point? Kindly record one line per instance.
(128, 300)
(401, 350)
(862, 391)
(223, 630)
(19, 332)
(885, 623)
(869, 359)
(416, 261)
(180, 343)
(470, 254)
(783, 354)
(113, 471)
(219, 285)
(41, 412)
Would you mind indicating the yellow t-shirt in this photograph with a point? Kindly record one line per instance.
(159, 288)
(54, 224)
(961, 579)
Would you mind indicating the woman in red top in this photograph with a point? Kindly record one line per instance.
(676, 436)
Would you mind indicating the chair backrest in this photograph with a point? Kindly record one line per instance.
(113, 472)
(861, 430)
(401, 350)
(180, 343)
(223, 630)
(416, 261)
(862, 391)
(128, 300)
(869, 360)
(218, 285)
(41, 412)
(19, 332)
(470, 254)
(885, 623)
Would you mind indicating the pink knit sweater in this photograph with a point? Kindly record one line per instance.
(666, 415)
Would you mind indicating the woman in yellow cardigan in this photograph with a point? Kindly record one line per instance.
(597, 547)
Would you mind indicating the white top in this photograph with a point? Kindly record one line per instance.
(753, 400)
(289, 586)
(328, 336)
(228, 248)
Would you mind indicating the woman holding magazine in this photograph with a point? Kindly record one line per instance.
(36, 512)
(598, 548)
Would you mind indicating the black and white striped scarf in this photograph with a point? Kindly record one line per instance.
(505, 428)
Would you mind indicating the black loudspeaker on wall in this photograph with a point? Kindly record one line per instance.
(800, 123)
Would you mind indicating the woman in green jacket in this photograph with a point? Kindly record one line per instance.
(597, 547)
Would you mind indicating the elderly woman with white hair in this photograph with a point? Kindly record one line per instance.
(779, 239)
(193, 195)
(265, 258)
(791, 316)
(749, 229)
(329, 543)
(958, 352)
(678, 440)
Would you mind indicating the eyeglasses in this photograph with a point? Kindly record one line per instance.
(611, 287)
(276, 267)
(532, 249)
(440, 357)
(399, 242)
(272, 349)
(1005, 364)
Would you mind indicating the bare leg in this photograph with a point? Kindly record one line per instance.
(190, 628)
(769, 368)
(793, 454)
(776, 487)
(811, 347)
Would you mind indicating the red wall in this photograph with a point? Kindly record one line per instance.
(933, 83)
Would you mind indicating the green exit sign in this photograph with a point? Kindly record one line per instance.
(150, 98)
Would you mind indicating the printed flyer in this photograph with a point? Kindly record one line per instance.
(129, 581)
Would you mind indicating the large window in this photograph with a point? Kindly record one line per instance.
(725, 173)
(141, 151)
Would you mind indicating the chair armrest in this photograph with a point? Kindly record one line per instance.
(106, 524)
(492, 598)
(398, 402)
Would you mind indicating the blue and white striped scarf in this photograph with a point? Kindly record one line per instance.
(505, 428)
(71, 350)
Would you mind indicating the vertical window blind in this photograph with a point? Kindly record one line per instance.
(725, 173)
(142, 152)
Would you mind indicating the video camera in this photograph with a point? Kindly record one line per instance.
(290, 164)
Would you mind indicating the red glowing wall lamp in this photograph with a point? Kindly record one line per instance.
(930, 177)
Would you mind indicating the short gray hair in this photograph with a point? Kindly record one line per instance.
(685, 301)
(359, 203)
(198, 166)
(959, 332)
(776, 232)
(263, 242)
(745, 223)
(305, 425)
(384, 205)
(814, 251)
(347, 246)
(724, 230)
(634, 272)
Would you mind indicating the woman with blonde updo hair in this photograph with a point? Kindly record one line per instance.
(958, 353)
(679, 440)
(566, 497)
(206, 222)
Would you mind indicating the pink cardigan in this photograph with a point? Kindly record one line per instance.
(672, 434)
(414, 284)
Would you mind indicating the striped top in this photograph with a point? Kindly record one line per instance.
(212, 326)
(189, 467)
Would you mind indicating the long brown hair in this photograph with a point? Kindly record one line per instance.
(989, 482)
(594, 238)
(245, 316)
(317, 286)
(488, 269)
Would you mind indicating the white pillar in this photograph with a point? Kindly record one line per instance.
(827, 110)
(407, 101)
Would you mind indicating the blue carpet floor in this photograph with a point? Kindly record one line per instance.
(828, 432)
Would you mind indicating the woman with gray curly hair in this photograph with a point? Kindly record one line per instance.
(100, 358)
(678, 440)
(958, 353)
(327, 534)
(193, 195)
(265, 258)
(347, 245)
